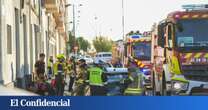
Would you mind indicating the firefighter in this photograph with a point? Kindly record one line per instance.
(81, 77)
(71, 72)
(59, 72)
(97, 80)
(133, 83)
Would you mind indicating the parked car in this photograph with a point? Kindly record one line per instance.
(88, 59)
(104, 56)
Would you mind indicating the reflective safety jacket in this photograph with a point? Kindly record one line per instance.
(95, 76)
(59, 67)
(50, 64)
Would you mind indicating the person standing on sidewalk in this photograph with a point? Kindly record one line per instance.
(40, 67)
(40, 74)
(71, 72)
(50, 67)
(59, 72)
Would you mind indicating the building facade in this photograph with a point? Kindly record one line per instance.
(28, 28)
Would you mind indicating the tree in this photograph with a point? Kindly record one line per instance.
(102, 44)
(83, 43)
(71, 42)
(133, 33)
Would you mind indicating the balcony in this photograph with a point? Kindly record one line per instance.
(60, 13)
(52, 6)
(60, 27)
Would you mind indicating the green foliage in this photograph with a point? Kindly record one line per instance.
(71, 42)
(133, 33)
(102, 44)
(83, 43)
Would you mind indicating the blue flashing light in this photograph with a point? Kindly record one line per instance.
(136, 36)
(145, 71)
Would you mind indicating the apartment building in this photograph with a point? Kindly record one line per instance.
(28, 28)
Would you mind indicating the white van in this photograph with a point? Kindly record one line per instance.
(104, 56)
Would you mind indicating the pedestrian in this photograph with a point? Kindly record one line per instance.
(40, 74)
(40, 67)
(50, 67)
(59, 72)
(97, 80)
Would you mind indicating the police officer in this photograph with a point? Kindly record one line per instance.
(97, 80)
(59, 72)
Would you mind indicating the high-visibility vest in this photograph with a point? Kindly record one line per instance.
(50, 63)
(58, 67)
(133, 91)
(96, 76)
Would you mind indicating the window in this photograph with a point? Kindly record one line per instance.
(169, 32)
(107, 55)
(170, 44)
(192, 34)
(142, 51)
(9, 39)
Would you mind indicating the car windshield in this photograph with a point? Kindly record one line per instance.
(107, 55)
(192, 33)
(142, 51)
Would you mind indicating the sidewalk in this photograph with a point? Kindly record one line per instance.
(13, 91)
(66, 93)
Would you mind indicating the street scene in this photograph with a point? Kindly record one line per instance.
(104, 47)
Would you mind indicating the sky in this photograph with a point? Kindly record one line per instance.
(104, 17)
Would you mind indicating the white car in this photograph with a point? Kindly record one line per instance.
(88, 59)
(104, 56)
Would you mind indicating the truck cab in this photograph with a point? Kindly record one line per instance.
(180, 54)
(139, 57)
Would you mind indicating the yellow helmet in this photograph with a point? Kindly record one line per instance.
(60, 56)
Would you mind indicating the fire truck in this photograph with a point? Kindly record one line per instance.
(180, 53)
(138, 56)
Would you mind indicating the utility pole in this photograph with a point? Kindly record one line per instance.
(123, 34)
(1, 73)
(74, 24)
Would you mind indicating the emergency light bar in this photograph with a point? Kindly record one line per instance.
(136, 36)
(195, 7)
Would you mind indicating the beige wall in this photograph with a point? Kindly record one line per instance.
(30, 47)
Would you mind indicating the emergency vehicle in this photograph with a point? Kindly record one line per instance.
(180, 52)
(138, 55)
